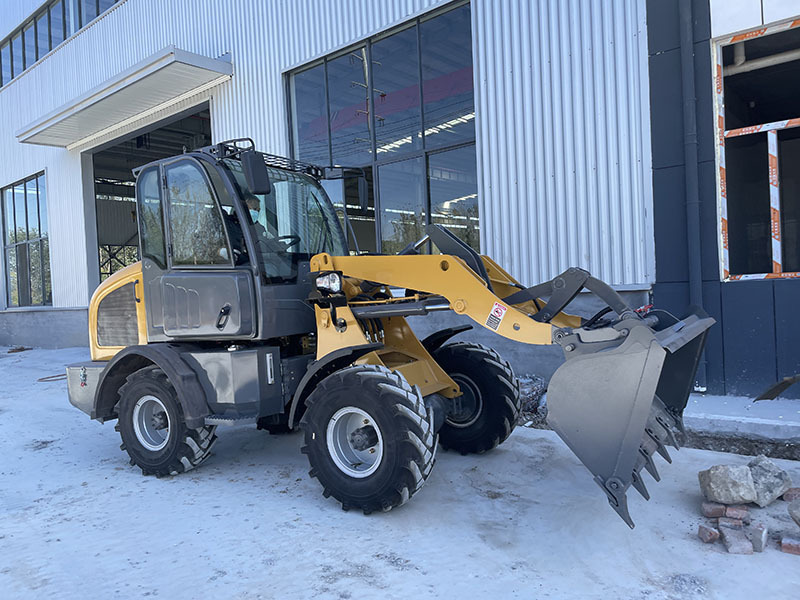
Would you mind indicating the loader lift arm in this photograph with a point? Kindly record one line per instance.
(617, 400)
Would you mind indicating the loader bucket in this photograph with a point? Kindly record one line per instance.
(619, 397)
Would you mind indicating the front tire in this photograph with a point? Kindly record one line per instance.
(369, 438)
(152, 427)
(487, 411)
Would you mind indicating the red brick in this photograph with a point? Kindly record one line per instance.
(730, 523)
(713, 510)
(707, 534)
(790, 545)
(792, 494)
(737, 512)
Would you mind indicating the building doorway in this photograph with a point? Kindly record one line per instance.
(117, 231)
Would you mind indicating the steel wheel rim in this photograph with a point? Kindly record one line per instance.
(151, 423)
(352, 462)
(468, 406)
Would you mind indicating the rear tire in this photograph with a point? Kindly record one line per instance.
(487, 412)
(152, 427)
(369, 438)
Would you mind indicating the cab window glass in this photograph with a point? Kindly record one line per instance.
(150, 217)
(196, 230)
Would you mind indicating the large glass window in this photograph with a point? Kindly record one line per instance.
(447, 88)
(16, 55)
(452, 177)
(57, 24)
(396, 98)
(310, 116)
(88, 11)
(197, 235)
(400, 106)
(42, 35)
(5, 63)
(348, 94)
(29, 39)
(402, 193)
(25, 240)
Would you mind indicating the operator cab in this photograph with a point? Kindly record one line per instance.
(226, 243)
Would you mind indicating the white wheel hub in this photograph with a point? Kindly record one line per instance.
(355, 443)
(151, 423)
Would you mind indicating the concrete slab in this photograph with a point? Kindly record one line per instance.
(738, 416)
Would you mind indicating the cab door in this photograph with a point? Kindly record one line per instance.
(198, 292)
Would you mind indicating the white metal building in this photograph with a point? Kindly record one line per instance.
(550, 102)
(548, 133)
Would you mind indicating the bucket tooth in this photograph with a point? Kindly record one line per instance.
(649, 465)
(638, 484)
(616, 498)
(672, 439)
(660, 447)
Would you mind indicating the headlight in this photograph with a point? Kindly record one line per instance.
(330, 282)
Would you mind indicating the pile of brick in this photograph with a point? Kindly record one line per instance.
(730, 492)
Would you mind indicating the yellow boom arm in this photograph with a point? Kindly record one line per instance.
(449, 277)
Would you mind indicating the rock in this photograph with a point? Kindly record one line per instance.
(729, 523)
(791, 494)
(758, 537)
(769, 480)
(736, 541)
(707, 534)
(790, 545)
(712, 509)
(738, 512)
(794, 511)
(727, 484)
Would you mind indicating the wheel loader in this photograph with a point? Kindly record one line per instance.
(247, 306)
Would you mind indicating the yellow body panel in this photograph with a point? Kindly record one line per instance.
(402, 351)
(504, 285)
(450, 277)
(130, 274)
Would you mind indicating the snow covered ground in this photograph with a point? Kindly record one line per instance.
(525, 521)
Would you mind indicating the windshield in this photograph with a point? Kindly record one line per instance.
(295, 221)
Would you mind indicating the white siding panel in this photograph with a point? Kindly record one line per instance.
(562, 113)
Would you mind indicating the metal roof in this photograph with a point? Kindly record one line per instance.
(161, 78)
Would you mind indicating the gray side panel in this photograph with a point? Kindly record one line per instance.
(116, 318)
(208, 304)
(82, 380)
(240, 383)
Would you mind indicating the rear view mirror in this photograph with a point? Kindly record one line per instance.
(255, 172)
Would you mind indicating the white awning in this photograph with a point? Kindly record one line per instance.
(165, 76)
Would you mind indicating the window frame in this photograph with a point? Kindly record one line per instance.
(721, 135)
(26, 242)
(32, 20)
(425, 151)
(140, 222)
(167, 216)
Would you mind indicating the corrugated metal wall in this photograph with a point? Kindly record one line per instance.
(561, 115)
(564, 137)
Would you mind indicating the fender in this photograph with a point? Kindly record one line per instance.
(190, 392)
(319, 369)
(435, 340)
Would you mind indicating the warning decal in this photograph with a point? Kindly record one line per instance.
(496, 316)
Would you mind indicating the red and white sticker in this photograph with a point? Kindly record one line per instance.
(496, 316)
